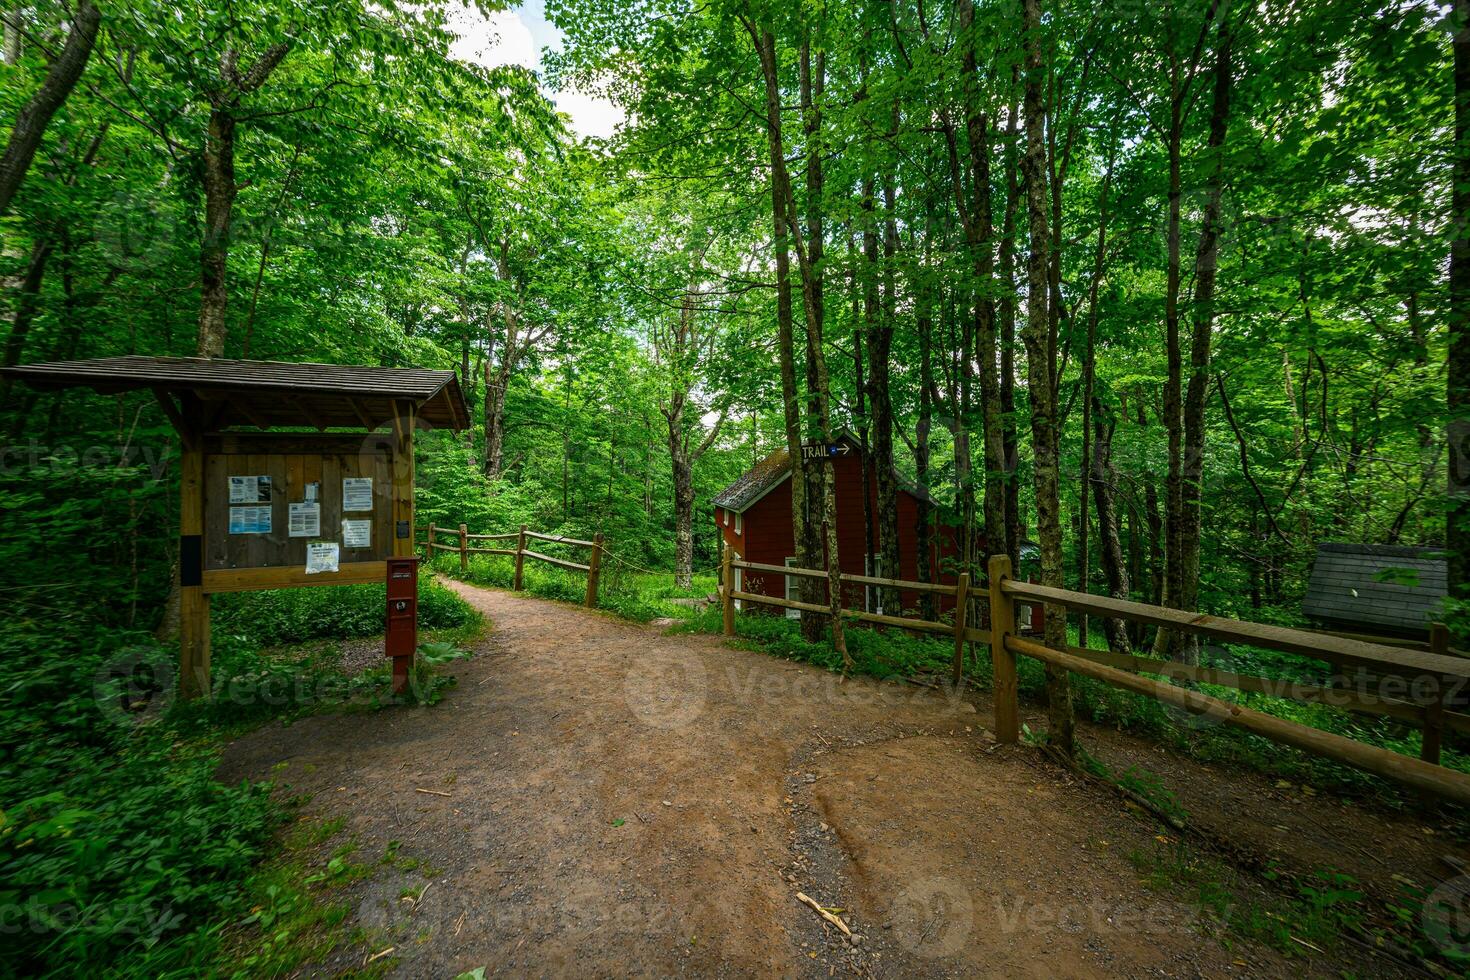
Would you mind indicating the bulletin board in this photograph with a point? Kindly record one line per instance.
(266, 498)
(281, 501)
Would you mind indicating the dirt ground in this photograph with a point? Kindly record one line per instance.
(609, 800)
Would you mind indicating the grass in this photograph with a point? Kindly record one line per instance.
(1304, 917)
(638, 596)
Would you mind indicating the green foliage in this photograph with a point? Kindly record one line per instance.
(1303, 916)
(117, 845)
(280, 616)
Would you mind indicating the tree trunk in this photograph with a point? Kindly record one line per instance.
(819, 419)
(801, 523)
(1110, 548)
(1457, 515)
(1039, 373)
(219, 204)
(218, 178)
(1007, 258)
(683, 501)
(979, 232)
(924, 322)
(880, 347)
(11, 21)
(495, 386)
(28, 302)
(1203, 310)
(1166, 642)
(35, 115)
(1089, 378)
(860, 388)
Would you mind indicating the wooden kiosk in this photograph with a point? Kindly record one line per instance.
(268, 497)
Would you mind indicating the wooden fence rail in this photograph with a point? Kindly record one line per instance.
(1409, 685)
(960, 592)
(461, 545)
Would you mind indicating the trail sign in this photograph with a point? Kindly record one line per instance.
(822, 451)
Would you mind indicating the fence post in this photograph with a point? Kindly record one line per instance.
(520, 559)
(727, 591)
(594, 565)
(464, 544)
(961, 614)
(1003, 661)
(1433, 736)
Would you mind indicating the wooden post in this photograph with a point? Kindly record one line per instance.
(727, 591)
(1433, 736)
(961, 613)
(403, 478)
(594, 566)
(193, 600)
(464, 545)
(401, 502)
(1003, 661)
(429, 550)
(520, 558)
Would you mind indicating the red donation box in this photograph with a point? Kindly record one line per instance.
(401, 636)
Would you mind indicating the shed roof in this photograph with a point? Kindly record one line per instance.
(755, 482)
(267, 394)
(1386, 587)
(770, 472)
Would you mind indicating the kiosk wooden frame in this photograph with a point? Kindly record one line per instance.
(210, 401)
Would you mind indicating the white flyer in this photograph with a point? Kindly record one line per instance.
(357, 493)
(250, 520)
(321, 556)
(357, 534)
(312, 492)
(250, 489)
(305, 520)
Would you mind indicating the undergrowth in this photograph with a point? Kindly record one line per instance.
(120, 852)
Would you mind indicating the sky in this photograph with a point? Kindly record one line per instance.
(516, 37)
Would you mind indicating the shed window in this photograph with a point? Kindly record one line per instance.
(739, 522)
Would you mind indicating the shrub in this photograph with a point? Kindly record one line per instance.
(116, 843)
(281, 616)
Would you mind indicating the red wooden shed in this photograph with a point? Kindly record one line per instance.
(753, 515)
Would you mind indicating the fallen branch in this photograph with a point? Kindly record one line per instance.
(808, 900)
(431, 792)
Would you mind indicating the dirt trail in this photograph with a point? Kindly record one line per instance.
(625, 802)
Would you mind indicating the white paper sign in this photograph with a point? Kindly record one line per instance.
(312, 491)
(250, 520)
(321, 556)
(305, 520)
(357, 493)
(357, 534)
(250, 489)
